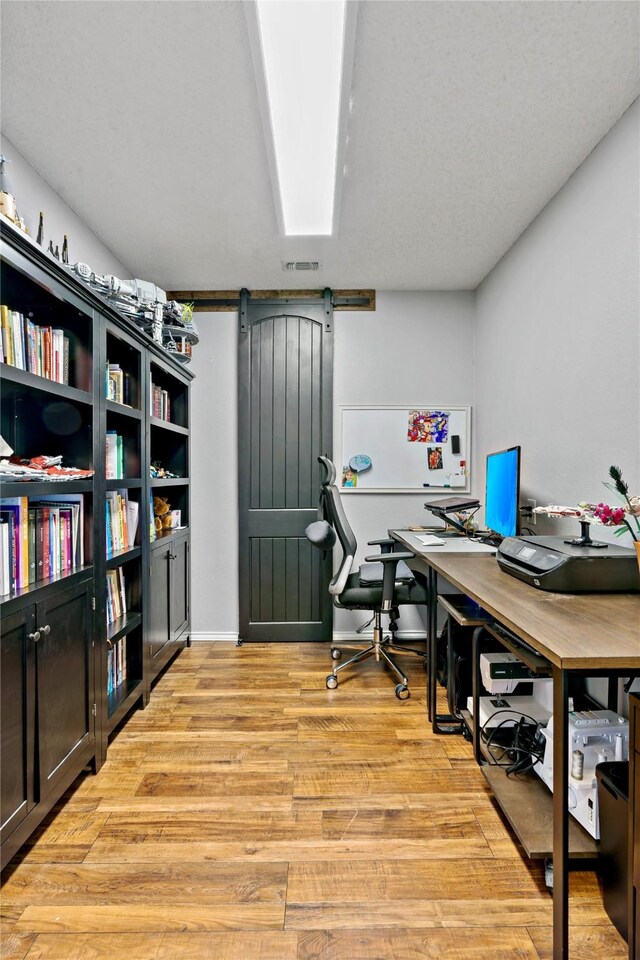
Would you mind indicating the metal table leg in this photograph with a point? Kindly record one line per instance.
(560, 816)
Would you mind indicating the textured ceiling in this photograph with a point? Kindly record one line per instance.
(467, 118)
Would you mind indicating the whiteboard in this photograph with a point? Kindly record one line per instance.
(410, 449)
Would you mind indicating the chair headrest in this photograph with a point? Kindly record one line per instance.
(330, 471)
(321, 534)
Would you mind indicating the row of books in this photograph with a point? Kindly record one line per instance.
(118, 384)
(160, 403)
(116, 595)
(40, 350)
(121, 520)
(39, 539)
(116, 664)
(114, 456)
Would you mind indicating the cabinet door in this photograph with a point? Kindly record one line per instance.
(63, 667)
(179, 588)
(158, 602)
(17, 715)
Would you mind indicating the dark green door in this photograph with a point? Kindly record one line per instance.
(285, 416)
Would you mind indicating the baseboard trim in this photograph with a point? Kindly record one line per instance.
(218, 637)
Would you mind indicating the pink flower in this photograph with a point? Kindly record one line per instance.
(609, 516)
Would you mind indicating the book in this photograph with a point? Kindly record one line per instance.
(19, 506)
(111, 456)
(9, 568)
(5, 557)
(32, 544)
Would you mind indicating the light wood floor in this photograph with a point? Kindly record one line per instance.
(250, 814)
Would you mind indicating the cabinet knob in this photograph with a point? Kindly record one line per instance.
(34, 636)
(173, 556)
(44, 630)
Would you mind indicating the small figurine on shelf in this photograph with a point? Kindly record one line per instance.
(162, 514)
(158, 472)
(8, 201)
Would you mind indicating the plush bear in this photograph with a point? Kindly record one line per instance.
(162, 512)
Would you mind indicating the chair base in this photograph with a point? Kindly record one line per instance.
(380, 648)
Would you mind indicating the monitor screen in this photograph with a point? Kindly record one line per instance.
(503, 492)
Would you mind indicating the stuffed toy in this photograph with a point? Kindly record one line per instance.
(162, 514)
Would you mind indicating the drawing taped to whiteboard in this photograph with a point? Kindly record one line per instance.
(395, 464)
(428, 426)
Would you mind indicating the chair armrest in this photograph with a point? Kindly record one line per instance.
(390, 557)
(390, 561)
(387, 544)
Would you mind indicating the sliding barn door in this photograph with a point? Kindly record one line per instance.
(285, 422)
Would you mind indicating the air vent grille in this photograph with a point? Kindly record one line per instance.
(290, 266)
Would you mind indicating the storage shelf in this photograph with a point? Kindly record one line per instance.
(23, 378)
(168, 425)
(168, 535)
(124, 484)
(43, 488)
(72, 576)
(120, 700)
(171, 482)
(123, 625)
(528, 806)
(123, 410)
(122, 556)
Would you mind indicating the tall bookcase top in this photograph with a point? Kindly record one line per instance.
(26, 256)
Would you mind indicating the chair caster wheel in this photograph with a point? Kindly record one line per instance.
(393, 625)
(335, 653)
(402, 691)
(332, 682)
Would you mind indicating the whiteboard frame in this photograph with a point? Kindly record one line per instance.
(423, 491)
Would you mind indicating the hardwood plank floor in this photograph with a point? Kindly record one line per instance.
(250, 814)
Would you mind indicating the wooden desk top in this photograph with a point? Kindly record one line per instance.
(574, 631)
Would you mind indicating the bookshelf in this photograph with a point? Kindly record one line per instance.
(85, 635)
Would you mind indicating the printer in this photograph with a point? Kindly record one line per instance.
(551, 563)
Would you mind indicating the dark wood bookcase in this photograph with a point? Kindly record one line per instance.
(58, 705)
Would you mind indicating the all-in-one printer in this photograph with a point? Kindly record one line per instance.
(552, 563)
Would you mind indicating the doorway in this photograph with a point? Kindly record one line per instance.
(285, 421)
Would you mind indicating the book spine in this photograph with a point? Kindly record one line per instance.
(32, 545)
(65, 360)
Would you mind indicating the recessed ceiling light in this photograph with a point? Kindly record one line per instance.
(305, 58)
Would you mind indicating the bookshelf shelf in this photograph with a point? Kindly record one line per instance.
(111, 366)
(44, 488)
(166, 425)
(171, 482)
(134, 484)
(120, 701)
(122, 410)
(123, 556)
(23, 378)
(122, 626)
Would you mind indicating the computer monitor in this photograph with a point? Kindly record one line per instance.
(502, 494)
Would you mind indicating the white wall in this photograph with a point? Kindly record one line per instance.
(33, 194)
(557, 340)
(389, 356)
(214, 478)
(416, 348)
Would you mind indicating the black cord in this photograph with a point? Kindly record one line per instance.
(526, 749)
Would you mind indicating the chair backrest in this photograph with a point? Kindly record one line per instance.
(332, 511)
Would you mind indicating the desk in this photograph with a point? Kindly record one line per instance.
(592, 634)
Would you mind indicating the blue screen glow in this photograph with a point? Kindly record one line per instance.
(502, 491)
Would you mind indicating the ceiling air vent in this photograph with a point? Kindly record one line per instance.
(293, 265)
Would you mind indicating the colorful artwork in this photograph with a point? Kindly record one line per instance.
(434, 458)
(349, 477)
(428, 426)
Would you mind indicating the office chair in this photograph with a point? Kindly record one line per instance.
(381, 584)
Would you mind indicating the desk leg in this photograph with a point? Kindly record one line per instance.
(560, 817)
(432, 630)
